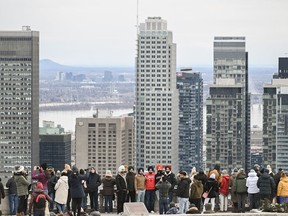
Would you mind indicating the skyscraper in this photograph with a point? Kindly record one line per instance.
(105, 143)
(275, 119)
(156, 95)
(190, 86)
(283, 67)
(19, 103)
(228, 106)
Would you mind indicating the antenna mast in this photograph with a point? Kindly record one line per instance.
(137, 17)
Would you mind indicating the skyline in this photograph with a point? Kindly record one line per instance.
(74, 33)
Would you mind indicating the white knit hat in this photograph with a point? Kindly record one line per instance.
(121, 168)
(108, 173)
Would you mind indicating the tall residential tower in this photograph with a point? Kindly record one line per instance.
(19, 103)
(190, 86)
(275, 119)
(228, 106)
(156, 95)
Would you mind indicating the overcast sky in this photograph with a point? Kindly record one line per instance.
(103, 33)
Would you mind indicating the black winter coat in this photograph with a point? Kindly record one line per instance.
(266, 184)
(93, 182)
(11, 185)
(120, 183)
(212, 186)
(172, 179)
(183, 188)
(130, 179)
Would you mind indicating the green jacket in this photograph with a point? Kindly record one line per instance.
(241, 183)
(21, 184)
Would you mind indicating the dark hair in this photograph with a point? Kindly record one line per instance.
(182, 173)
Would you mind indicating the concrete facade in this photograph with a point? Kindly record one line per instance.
(228, 106)
(275, 124)
(156, 108)
(104, 143)
(19, 100)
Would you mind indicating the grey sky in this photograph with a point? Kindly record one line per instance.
(93, 32)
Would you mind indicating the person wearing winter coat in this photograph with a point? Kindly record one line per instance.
(182, 191)
(93, 182)
(253, 190)
(163, 187)
(150, 189)
(140, 185)
(266, 185)
(172, 179)
(22, 184)
(108, 191)
(276, 178)
(241, 190)
(196, 191)
(232, 185)
(41, 174)
(217, 173)
(121, 188)
(13, 197)
(51, 184)
(61, 191)
(130, 179)
(38, 211)
(76, 189)
(282, 190)
(224, 191)
(212, 187)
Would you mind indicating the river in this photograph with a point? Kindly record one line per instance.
(67, 118)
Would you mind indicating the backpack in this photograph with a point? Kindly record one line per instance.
(40, 201)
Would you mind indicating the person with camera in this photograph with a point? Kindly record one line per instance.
(163, 186)
(42, 174)
(20, 176)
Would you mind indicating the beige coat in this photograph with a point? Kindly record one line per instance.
(61, 188)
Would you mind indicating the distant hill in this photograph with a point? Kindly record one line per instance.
(49, 69)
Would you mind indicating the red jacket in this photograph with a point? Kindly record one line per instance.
(224, 186)
(150, 181)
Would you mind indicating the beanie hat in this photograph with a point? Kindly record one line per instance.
(39, 185)
(140, 170)
(121, 168)
(130, 167)
(212, 176)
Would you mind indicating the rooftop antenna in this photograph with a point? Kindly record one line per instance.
(137, 16)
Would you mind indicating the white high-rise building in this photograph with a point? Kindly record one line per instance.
(19, 103)
(156, 96)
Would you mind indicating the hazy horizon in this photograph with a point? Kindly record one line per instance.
(104, 33)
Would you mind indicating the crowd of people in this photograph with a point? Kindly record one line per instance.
(157, 187)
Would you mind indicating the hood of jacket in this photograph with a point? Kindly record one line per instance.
(252, 174)
(241, 176)
(265, 176)
(64, 178)
(284, 179)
